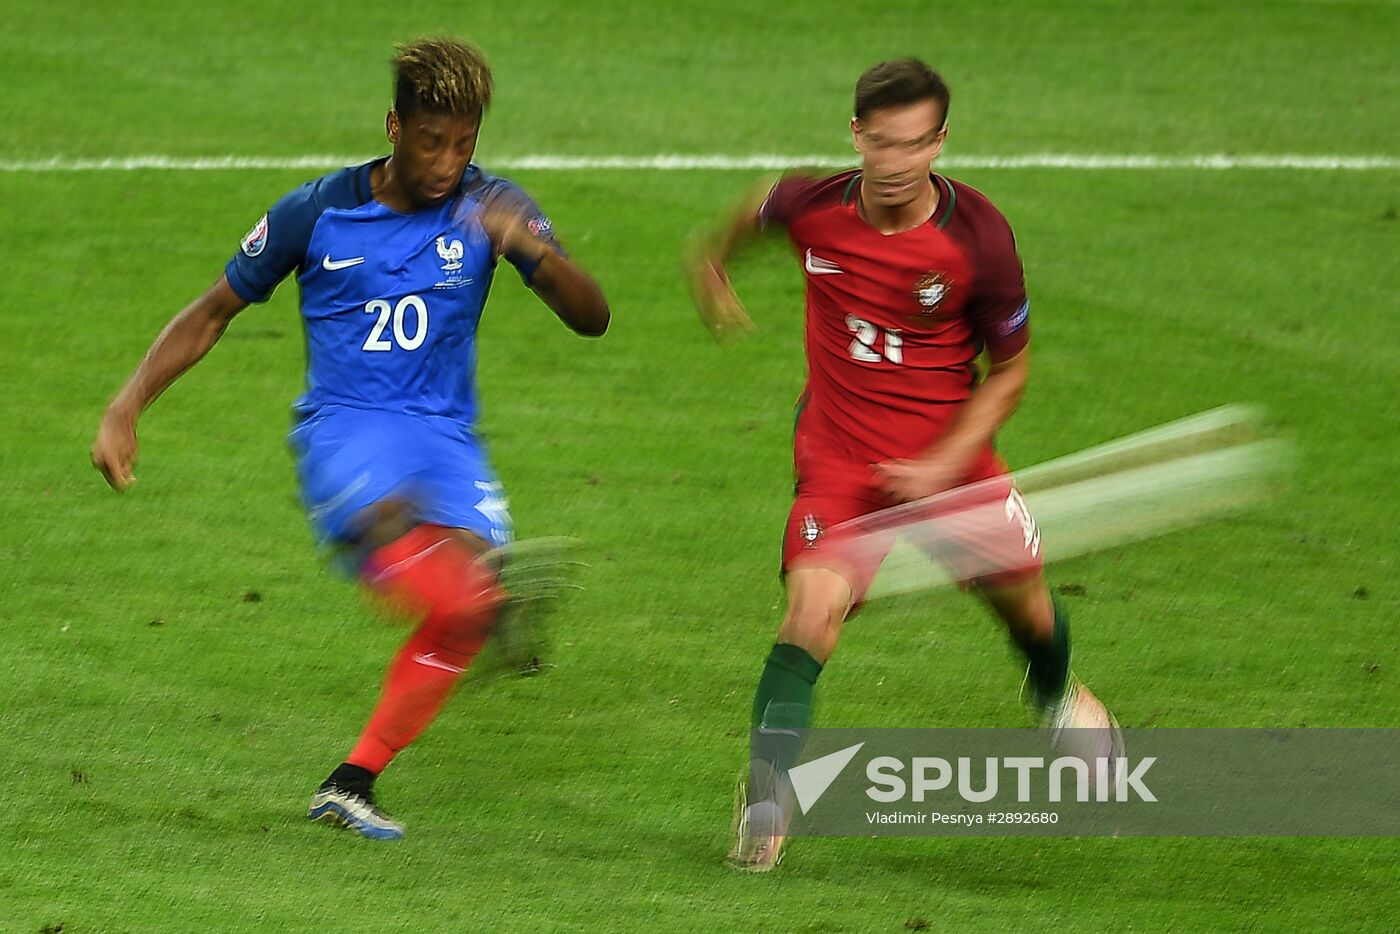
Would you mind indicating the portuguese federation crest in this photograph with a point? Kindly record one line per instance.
(930, 291)
(811, 530)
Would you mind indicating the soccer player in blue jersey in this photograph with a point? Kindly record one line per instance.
(394, 259)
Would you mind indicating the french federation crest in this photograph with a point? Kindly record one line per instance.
(811, 531)
(930, 291)
(451, 254)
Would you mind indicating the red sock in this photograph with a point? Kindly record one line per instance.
(433, 576)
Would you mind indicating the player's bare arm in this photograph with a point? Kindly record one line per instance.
(560, 283)
(978, 420)
(186, 339)
(706, 261)
(571, 293)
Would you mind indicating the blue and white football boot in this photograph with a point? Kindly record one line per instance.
(354, 811)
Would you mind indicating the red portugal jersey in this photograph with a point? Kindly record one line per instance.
(894, 322)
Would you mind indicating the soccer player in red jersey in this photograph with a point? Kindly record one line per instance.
(910, 278)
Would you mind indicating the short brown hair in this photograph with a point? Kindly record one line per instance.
(441, 75)
(903, 81)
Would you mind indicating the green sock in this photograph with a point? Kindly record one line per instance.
(783, 700)
(1049, 661)
(782, 708)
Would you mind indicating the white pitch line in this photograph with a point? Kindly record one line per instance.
(1031, 161)
(680, 162)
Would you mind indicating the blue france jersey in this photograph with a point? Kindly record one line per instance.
(390, 301)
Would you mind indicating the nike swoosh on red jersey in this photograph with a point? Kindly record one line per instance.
(432, 662)
(821, 267)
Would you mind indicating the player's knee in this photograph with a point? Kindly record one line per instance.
(817, 640)
(473, 599)
(432, 576)
(383, 522)
(814, 618)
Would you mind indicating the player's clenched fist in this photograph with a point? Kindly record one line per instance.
(114, 450)
(910, 479)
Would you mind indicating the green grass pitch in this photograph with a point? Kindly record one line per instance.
(179, 670)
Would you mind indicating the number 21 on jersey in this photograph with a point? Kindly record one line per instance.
(393, 318)
(873, 343)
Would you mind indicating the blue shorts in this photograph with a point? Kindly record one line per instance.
(349, 459)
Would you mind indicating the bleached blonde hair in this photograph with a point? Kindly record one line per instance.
(442, 75)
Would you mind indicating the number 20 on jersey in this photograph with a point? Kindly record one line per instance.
(394, 319)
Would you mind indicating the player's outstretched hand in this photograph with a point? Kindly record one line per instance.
(719, 307)
(114, 450)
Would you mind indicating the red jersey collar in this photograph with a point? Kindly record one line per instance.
(947, 198)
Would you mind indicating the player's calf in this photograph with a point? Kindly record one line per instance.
(818, 600)
(1076, 722)
(455, 597)
(1040, 628)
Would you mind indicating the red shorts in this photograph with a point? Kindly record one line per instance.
(984, 534)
